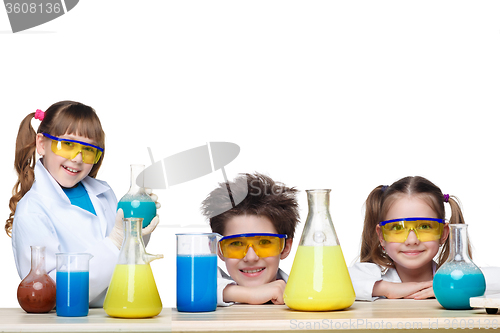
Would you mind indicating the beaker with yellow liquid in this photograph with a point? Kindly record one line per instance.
(132, 292)
(319, 279)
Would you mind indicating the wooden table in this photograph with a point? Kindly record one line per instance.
(423, 316)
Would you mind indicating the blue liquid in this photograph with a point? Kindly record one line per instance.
(196, 283)
(455, 283)
(138, 208)
(72, 294)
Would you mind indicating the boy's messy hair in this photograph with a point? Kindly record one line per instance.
(381, 199)
(265, 198)
(66, 117)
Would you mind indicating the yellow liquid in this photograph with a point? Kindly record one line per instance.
(132, 293)
(319, 280)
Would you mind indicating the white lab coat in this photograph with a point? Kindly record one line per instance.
(223, 280)
(45, 216)
(365, 274)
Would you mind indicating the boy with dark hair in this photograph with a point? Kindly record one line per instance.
(258, 232)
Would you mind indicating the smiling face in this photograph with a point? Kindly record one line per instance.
(412, 254)
(66, 172)
(253, 271)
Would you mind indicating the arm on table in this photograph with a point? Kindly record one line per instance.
(272, 291)
(415, 290)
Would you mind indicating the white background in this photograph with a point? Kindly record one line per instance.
(346, 95)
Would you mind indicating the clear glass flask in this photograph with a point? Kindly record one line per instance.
(37, 291)
(137, 203)
(132, 292)
(319, 280)
(458, 279)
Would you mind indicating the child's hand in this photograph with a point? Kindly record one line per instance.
(153, 197)
(117, 233)
(154, 222)
(151, 226)
(423, 294)
(272, 291)
(416, 290)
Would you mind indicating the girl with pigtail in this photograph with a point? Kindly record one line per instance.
(57, 202)
(404, 230)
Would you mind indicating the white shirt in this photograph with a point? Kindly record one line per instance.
(223, 280)
(365, 274)
(46, 217)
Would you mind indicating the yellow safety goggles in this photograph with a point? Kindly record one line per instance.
(426, 229)
(264, 245)
(71, 148)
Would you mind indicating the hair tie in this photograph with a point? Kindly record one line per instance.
(446, 197)
(39, 114)
(384, 188)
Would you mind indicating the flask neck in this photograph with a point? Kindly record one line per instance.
(136, 178)
(133, 251)
(38, 260)
(458, 243)
(318, 230)
(318, 201)
(133, 229)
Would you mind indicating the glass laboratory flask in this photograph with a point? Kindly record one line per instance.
(319, 280)
(458, 279)
(37, 291)
(137, 203)
(132, 292)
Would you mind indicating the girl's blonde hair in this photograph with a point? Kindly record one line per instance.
(61, 118)
(381, 199)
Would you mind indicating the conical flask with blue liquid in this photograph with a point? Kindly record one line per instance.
(137, 203)
(458, 279)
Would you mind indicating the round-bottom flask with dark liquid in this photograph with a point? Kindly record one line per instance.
(37, 291)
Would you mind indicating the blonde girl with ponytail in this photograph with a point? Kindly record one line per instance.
(56, 200)
(405, 240)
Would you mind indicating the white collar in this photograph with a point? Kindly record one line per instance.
(44, 179)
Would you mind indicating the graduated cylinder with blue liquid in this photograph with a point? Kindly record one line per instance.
(137, 203)
(196, 272)
(458, 279)
(72, 283)
(74, 301)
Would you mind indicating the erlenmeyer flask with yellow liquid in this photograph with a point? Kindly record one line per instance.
(319, 279)
(132, 292)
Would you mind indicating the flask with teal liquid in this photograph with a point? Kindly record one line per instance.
(137, 203)
(458, 279)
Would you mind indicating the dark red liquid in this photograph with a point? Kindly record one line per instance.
(37, 295)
